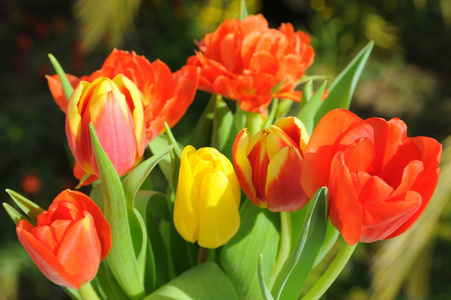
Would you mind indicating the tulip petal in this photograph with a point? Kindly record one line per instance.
(243, 167)
(44, 235)
(45, 260)
(283, 187)
(101, 225)
(430, 152)
(56, 89)
(295, 129)
(320, 150)
(81, 238)
(186, 206)
(360, 156)
(219, 217)
(381, 218)
(111, 119)
(345, 211)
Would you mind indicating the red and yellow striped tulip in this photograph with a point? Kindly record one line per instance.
(115, 109)
(268, 165)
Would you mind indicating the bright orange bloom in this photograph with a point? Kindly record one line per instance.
(268, 165)
(167, 95)
(380, 181)
(115, 109)
(248, 62)
(69, 241)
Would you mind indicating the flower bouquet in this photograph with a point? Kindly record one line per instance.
(272, 177)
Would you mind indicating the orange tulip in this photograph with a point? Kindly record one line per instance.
(115, 109)
(268, 165)
(166, 95)
(69, 241)
(248, 62)
(380, 181)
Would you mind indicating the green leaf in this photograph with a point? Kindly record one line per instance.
(258, 234)
(332, 235)
(283, 108)
(272, 113)
(13, 213)
(243, 10)
(203, 282)
(176, 154)
(156, 146)
(121, 259)
(314, 224)
(342, 89)
(239, 118)
(315, 239)
(67, 87)
(107, 285)
(31, 209)
(200, 137)
(136, 177)
(266, 293)
(310, 108)
(224, 132)
(154, 202)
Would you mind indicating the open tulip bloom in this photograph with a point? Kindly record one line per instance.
(250, 229)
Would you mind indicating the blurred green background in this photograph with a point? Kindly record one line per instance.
(408, 76)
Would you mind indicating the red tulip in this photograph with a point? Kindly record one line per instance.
(268, 165)
(166, 95)
(380, 181)
(251, 63)
(69, 241)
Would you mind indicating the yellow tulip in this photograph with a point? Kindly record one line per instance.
(207, 198)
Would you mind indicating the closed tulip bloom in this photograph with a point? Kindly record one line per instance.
(114, 106)
(246, 61)
(69, 241)
(379, 180)
(268, 165)
(207, 198)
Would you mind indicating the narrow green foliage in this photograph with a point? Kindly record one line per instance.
(122, 258)
(266, 294)
(31, 209)
(67, 87)
(315, 221)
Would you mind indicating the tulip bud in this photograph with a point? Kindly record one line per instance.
(115, 109)
(269, 165)
(207, 198)
(69, 241)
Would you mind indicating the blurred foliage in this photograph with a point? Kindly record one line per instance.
(408, 76)
(105, 22)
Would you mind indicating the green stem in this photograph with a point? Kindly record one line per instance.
(87, 292)
(331, 273)
(272, 112)
(284, 248)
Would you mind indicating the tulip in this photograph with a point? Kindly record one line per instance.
(115, 109)
(207, 198)
(268, 165)
(166, 95)
(379, 180)
(246, 61)
(69, 241)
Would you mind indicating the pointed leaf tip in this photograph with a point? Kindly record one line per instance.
(31, 209)
(67, 86)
